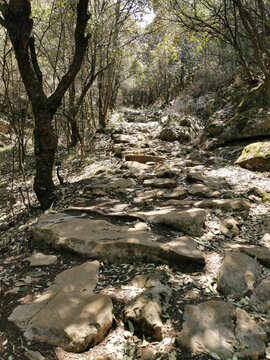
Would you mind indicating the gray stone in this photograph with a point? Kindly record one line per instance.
(160, 183)
(169, 133)
(102, 240)
(255, 156)
(208, 327)
(145, 310)
(229, 227)
(40, 259)
(68, 313)
(147, 195)
(190, 221)
(219, 327)
(203, 191)
(261, 296)
(178, 193)
(111, 184)
(261, 253)
(240, 206)
(164, 171)
(238, 274)
(249, 333)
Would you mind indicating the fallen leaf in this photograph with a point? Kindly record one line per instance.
(131, 327)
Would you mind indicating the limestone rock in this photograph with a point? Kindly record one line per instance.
(208, 327)
(178, 193)
(135, 165)
(248, 332)
(261, 296)
(121, 138)
(102, 240)
(217, 326)
(169, 133)
(255, 156)
(241, 206)
(111, 184)
(40, 259)
(145, 310)
(261, 253)
(238, 274)
(190, 221)
(164, 171)
(229, 227)
(203, 191)
(186, 246)
(160, 183)
(145, 196)
(68, 313)
(251, 119)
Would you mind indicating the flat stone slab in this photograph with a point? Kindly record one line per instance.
(143, 196)
(190, 221)
(135, 165)
(218, 326)
(160, 183)
(238, 274)
(178, 193)
(68, 313)
(99, 239)
(111, 184)
(225, 205)
(40, 259)
(261, 296)
(202, 190)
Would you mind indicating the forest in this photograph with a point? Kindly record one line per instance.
(134, 179)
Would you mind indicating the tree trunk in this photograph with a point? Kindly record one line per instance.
(19, 24)
(45, 148)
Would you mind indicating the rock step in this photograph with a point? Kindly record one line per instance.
(68, 313)
(99, 239)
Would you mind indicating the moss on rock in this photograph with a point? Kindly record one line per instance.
(255, 156)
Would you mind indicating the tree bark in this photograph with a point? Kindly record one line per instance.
(17, 20)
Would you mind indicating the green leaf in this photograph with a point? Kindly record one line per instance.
(131, 327)
(23, 288)
(215, 356)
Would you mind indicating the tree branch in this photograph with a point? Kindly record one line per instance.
(81, 43)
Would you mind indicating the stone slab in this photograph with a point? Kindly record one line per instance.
(99, 239)
(219, 327)
(238, 274)
(68, 313)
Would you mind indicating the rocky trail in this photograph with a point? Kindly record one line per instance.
(163, 252)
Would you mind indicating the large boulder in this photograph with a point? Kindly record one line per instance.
(68, 313)
(255, 156)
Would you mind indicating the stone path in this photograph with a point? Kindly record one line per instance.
(161, 206)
